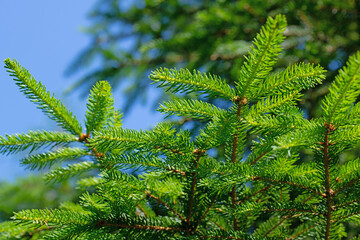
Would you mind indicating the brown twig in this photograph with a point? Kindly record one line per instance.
(346, 204)
(337, 219)
(176, 171)
(328, 191)
(83, 137)
(308, 198)
(198, 154)
(217, 224)
(206, 211)
(142, 209)
(240, 101)
(233, 205)
(276, 225)
(259, 157)
(165, 204)
(173, 150)
(288, 216)
(301, 232)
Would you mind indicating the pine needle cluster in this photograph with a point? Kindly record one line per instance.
(166, 183)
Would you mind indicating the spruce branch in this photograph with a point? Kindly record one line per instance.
(347, 185)
(124, 179)
(288, 217)
(346, 204)
(62, 173)
(100, 107)
(142, 210)
(206, 211)
(218, 225)
(56, 216)
(294, 78)
(195, 109)
(148, 194)
(116, 138)
(43, 160)
(38, 94)
(11, 144)
(302, 232)
(343, 92)
(216, 132)
(161, 139)
(133, 160)
(259, 157)
(263, 54)
(283, 219)
(334, 220)
(268, 104)
(184, 81)
(293, 210)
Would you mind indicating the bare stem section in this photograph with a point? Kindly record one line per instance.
(234, 154)
(328, 191)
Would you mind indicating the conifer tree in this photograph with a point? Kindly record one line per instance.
(166, 183)
(129, 39)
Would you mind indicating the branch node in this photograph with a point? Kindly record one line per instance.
(83, 137)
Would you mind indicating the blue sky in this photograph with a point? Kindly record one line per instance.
(44, 36)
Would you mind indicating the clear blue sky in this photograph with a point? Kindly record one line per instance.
(44, 36)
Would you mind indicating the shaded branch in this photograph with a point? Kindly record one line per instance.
(141, 227)
(278, 224)
(347, 203)
(165, 204)
(288, 217)
(288, 183)
(347, 185)
(142, 209)
(206, 211)
(258, 158)
(301, 232)
(337, 219)
(254, 194)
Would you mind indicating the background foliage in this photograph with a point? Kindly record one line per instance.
(130, 39)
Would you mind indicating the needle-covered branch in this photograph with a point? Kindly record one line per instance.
(38, 94)
(250, 166)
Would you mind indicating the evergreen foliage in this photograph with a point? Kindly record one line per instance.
(31, 192)
(129, 39)
(37, 93)
(165, 183)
